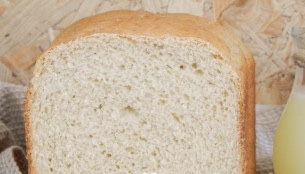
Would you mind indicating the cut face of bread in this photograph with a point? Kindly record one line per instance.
(134, 103)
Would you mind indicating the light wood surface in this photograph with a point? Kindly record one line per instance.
(27, 27)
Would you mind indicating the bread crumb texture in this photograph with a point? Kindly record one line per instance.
(109, 103)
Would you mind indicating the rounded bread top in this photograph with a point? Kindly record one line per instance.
(141, 23)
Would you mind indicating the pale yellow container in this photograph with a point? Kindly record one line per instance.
(289, 143)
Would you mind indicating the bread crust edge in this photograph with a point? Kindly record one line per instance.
(28, 129)
(246, 66)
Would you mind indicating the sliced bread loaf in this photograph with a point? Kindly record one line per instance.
(136, 92)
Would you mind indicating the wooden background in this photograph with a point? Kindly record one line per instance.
(27, 27)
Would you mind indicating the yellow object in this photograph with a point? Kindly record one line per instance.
(289, 142)
(289, 145)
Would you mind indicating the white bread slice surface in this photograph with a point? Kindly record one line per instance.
(136, 92)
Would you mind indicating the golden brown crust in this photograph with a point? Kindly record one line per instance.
(247, 106)
(28, 129)
(232, 51)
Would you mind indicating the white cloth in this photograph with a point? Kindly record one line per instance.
(267, 118)
(12, 138)
(13, 161)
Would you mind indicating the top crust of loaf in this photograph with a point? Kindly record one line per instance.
(138, 23)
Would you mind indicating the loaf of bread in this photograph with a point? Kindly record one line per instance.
(136, 92)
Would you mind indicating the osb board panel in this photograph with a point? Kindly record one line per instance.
(6, 75)
(27, 27)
